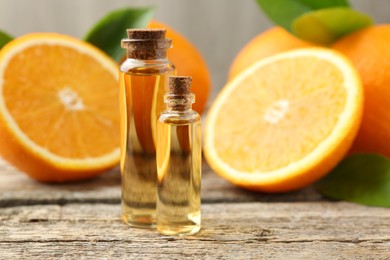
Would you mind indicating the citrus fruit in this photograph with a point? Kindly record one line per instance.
(188, 61)
(59, 118)
(369, 51)
(272, 41)
(285, 121)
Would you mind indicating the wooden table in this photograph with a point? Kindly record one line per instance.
(82, 220)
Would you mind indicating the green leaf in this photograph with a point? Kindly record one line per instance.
(284, 12)
(108, 32)
(327, 25)
(321, 4)
(360, 178)
(4, 39)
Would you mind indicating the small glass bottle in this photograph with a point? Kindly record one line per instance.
(143, 81)
(179, 162)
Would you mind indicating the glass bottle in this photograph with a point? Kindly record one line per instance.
(143, 81)
(179, 162)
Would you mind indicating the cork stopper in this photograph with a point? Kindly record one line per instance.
(146, 34)
(146, 44)
(179, 96)
(179, 85)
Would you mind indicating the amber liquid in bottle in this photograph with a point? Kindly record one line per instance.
(142, 87)
(179, 169)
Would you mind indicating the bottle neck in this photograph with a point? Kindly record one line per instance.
(179, 103)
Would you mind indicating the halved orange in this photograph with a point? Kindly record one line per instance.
(59, 113)
(285, 121)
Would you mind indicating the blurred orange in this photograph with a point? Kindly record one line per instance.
(270, 42)
(188, 62)
(369, 50)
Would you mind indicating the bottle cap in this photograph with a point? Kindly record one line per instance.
(146, 34)
(146, 44)
(179, 85)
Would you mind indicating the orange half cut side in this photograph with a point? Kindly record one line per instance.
(59, 112)
(285, 121)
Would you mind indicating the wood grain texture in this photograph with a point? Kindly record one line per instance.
(18, 189)
(320, 230)
(167, 249)
(82, 220)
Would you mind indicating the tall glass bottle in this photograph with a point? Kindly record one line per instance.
(179, 162)
(143, 80)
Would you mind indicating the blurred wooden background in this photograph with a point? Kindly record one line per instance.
(219, 28)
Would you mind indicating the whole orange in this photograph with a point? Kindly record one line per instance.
(369, 50)
(272, 41)
(188, 62)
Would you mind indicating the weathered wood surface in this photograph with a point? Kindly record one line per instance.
(245, 230)
(82, 220)
(18, 189)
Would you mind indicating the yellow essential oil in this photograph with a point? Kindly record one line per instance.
(179, 162)
(143, 79)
